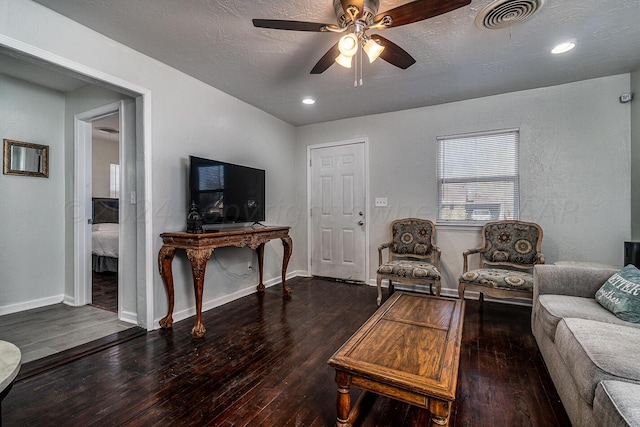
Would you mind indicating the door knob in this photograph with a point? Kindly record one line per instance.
(361, 213)
(360, 222)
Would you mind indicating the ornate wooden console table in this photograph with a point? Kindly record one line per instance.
(199, 248)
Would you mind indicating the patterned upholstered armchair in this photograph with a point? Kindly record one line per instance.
(511, 244)
(413, 258)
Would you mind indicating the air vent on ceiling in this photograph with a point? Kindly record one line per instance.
(507, 13)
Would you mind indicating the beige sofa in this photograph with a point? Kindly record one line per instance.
(593, 357)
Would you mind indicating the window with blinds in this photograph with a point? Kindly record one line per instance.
(478, 177)
(114, 181)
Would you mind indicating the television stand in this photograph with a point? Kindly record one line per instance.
(199, 248)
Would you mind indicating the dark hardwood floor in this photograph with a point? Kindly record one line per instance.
(263, 361)
(104, 291)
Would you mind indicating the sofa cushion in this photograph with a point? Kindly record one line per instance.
(550, 309)
(621, 294)
(595, 351)
(617, 403)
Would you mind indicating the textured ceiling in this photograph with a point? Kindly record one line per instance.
(215, 42)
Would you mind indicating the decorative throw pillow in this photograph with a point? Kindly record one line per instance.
(621, 294)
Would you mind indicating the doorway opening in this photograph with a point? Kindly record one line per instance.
(105, 200)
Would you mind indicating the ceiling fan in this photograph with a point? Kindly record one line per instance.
(355, 18)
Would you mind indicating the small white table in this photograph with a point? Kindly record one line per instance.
(10, 359)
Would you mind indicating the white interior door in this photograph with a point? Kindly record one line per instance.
(337, 208)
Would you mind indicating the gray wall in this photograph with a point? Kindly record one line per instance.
(635, 156)
(575, 151)
(32, 209)
(188, 117)
(574, 159)
(104, 152)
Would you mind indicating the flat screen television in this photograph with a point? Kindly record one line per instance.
(226, 193)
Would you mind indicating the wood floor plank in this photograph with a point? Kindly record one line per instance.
(263, 362)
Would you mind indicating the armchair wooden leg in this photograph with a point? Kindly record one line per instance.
(379, 284)
(392, 288)
(438, 288)
(461, 291)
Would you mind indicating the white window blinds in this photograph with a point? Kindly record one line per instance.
(478, 177)
(114, 181)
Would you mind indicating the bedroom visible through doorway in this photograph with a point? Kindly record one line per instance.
(105, 195)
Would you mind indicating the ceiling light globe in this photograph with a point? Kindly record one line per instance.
(343, 60)
(373, 50)
(348, 45)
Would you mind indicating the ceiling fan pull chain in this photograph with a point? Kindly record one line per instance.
(355, 70)
(360, 52)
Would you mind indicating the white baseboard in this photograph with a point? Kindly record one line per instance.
(217, 302)
(28, 305)
(129, 317)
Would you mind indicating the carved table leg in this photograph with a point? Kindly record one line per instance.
(344, 399)
(260, 252)
(288, 247)
(165, 257)
(440, 411)
(198, 258)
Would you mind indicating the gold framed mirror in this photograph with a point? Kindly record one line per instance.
(24, 158)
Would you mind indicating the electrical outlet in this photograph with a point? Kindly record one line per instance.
(381, 201)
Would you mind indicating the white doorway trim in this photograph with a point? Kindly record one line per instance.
(365, 142)
(144, 137)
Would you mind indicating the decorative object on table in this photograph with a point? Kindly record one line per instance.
(26, 159)
(413, 257)
(194, 220)
(513, 247)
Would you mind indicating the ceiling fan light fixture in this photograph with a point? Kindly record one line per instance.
(345, 61)
(372, 49)
(348, 45)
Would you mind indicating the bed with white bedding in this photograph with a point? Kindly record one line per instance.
(104, 235)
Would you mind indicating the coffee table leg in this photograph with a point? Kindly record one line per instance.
(440, 411)
(344, 398)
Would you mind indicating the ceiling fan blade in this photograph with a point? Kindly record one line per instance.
(278, 24)
(394, 54)
(419, 10)
(355, 3)
(327, 60)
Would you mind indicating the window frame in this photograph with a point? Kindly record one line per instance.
(509, 178)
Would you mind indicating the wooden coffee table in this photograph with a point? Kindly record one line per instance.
(408, 350)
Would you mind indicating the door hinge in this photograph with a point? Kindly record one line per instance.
(309, 162)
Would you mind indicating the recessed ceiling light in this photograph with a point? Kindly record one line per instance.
(563, 47)
(308, 101)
